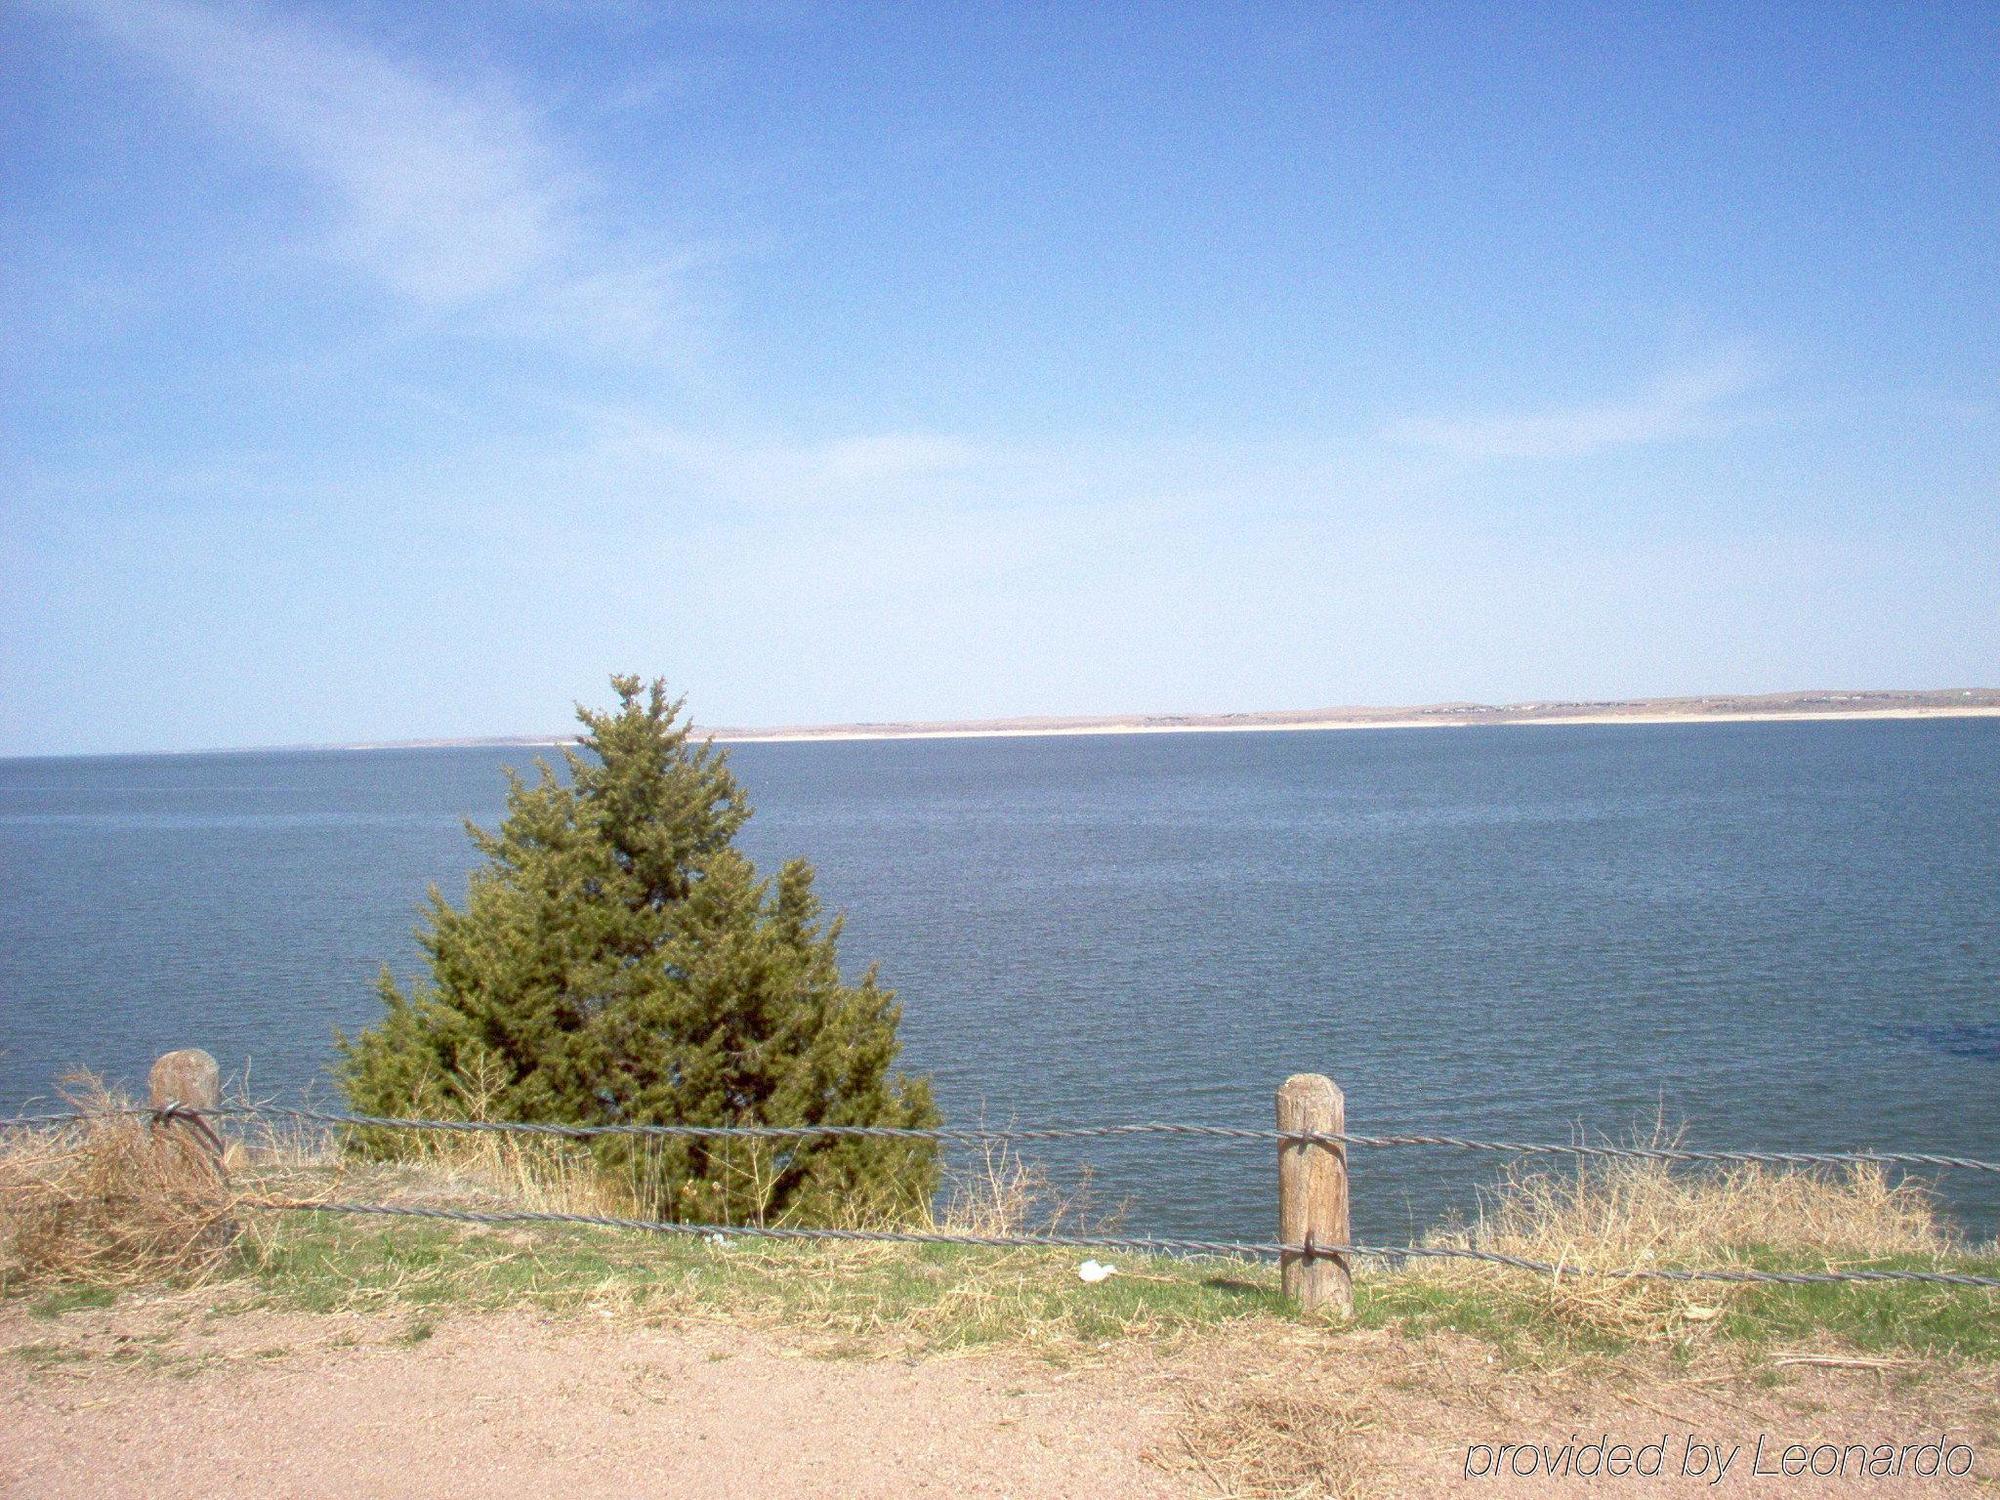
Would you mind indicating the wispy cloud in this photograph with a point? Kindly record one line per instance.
(640, 457)
(629, 450)
(452, 196)
(1683, 404)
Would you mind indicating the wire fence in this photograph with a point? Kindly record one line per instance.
(983, 1135)
(1138, 1244)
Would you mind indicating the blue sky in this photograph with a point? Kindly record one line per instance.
(377, 371)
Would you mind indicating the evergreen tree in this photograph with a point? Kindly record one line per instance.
(618, 961)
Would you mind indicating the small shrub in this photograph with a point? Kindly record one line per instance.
(618, 961)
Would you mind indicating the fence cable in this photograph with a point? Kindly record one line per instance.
(983, 1135)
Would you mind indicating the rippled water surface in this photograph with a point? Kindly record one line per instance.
(1783, 935)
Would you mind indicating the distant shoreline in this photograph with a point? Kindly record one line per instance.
(1307, 726)
(1807, 707)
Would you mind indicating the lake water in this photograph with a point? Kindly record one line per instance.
(1780, 935)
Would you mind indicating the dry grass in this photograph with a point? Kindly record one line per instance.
(542, 1174)
(107, 1200)
(995, 1192)
(1634, 1213)
(999, 1191)
(1273, 1444)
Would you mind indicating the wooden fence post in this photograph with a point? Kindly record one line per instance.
(1312, 1194)
(188, 1077)
(192, 1079)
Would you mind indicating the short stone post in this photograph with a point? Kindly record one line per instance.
(190, 1080)
(1312, 1194)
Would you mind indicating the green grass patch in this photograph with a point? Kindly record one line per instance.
(935, 1296)
(48, 1356)
(72, 1299)
(1903, 1319)
(1908, 1320)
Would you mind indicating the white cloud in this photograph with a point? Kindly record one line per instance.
(453, 197)
(1683, 404)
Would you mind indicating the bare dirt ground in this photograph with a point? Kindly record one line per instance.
(162, 1399)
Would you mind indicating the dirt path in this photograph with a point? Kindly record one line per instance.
(160, 1400)
(512, 1405)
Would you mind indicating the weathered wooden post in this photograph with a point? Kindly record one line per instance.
(191, 1080)
(189, 1077)
(1312, 1194)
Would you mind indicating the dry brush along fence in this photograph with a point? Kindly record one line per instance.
(1314, 1249)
